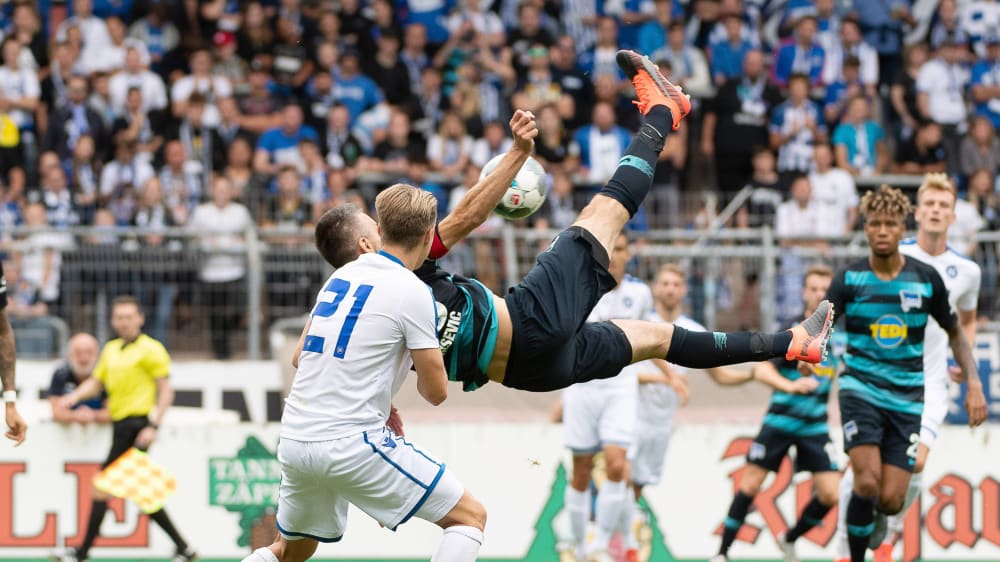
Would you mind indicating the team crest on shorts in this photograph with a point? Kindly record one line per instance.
(757, 451)
(850, 430)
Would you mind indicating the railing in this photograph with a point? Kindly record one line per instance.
(736, 278)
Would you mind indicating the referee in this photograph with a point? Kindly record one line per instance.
(135, 371)
(17, 430)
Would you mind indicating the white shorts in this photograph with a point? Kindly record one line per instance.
(597, 416)
(650, 453)
(935, 408)
(380, 473)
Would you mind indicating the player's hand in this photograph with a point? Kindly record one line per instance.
(679, 383)
(395, 422)
(17, 430)
(804, 385)
(524, 129)
(955, 372)
(975, 404)
(146, 437)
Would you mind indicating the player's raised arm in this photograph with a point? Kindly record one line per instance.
(476, 206)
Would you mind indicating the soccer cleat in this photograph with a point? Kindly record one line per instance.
(883, 553)
(841, 560)
(185, 556)
(787, 549)
(67, 555)
(719, 558)
(652, 88)
(811, 336)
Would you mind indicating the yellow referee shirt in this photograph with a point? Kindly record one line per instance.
(129, 372)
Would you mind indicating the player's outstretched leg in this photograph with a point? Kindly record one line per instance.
(664, 106)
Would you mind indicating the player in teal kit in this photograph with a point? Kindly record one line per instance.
(885, 301)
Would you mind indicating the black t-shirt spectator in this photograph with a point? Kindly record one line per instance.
(64, 382)
(909, 85)
(290, 214)
(556, 154)
(414, 149)
(763, 203)
(908, 152)
(578, 85)
(394, 81)
(742, 116)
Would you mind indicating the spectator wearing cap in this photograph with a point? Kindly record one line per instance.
(840, 92)
(136, 75)
(859, 142)
(985, 81)
(601, 58)
(388, 71)
(157, 33)
(687, 63)
(201, 80)
(93, 29)
(280, 145)
(921, 154)
(727, 55)
(73, 120)
(528, 33)
(796, 126)
(882, 25)
(736, 121)
(851, 44)
(228, 63)
(801, 55)
(941, 96)
(356, 91)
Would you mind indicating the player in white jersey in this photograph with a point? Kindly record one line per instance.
(962, 277)
(600, 415)
(371, 320)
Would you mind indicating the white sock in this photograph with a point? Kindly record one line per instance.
(458, 544)
(626, 524)
(912, 493)
(261, 555)
(611, 501)
(840, 547)
(578, 508)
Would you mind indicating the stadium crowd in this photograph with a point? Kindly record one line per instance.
(220, 115)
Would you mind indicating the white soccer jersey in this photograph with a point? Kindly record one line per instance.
(355, 356)
(962, 278)
(658, 402)
(630, 300)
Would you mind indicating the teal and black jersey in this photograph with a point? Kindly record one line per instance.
(805, 414)
(466, 324)
(885, 322)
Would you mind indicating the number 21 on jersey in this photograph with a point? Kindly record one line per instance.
(340, 289)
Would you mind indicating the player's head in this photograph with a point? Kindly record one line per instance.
(620, 256)
(81, 354)
(885, 211)
(935, 210)
(669, 286)
(814, 286)
(126, 317)
(406, 216)
(345, 232)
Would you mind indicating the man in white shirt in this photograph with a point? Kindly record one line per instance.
(852, 44)
(335, 448)
(136, 75)
(941, 95)
(934, 214)
(796, 224)
(94, 29)
(833, 193)
(201, 80)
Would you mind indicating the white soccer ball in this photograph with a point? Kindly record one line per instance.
(526, 193)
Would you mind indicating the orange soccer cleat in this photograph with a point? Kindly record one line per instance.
(810, 337)
(652, 88)
(883, 553)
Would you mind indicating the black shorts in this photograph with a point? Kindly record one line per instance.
(124, 434)
(551, 345)
(896, 434)
(812, 452)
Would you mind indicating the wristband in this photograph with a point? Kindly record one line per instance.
(10, 396)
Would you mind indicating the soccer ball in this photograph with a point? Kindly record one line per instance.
(525, 194)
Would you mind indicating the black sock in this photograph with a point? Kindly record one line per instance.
(702, 350)
(634, 175)
(811, 516)
(734, 520)
(168, 526)
(860, 524)
(97, 511)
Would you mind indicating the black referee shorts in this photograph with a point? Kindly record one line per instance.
(125, 431)
(551, 345)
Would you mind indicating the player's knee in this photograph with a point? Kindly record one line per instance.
(474, 513)
(616, 468)
(827, 496)
(583, 465)
(866, 483)
(749, 488)
(890, 506)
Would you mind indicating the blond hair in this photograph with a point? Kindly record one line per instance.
(671, 267)
(937, 182)
(886, 200)
(405, 214)
(819, 269)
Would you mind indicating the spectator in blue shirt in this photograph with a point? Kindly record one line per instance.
(280, 146)
(630, 15)
(985, 82)
(727, 56)
(802, 55)
(653, 34)
(432, 14)
(356, 91)
(796, 126)
(600, 145)
(841, 91)
(859, 142)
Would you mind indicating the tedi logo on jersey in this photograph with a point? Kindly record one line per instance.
(889, 331)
